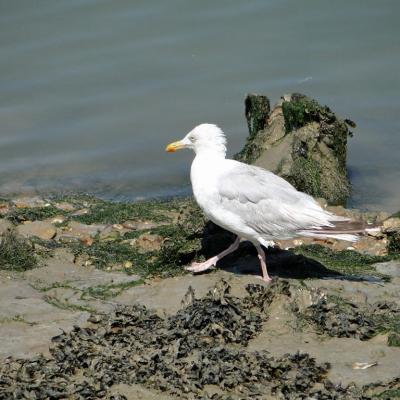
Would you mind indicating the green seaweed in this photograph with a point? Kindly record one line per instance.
(16, 253)
(344, 261)
(103, 254)
(182, 241)
(105, 212)
(109, 291)
(257, 109)
(394, 339)
(250, 152)
(19, 215)
(55, 285)
(65, 305)
(302, 110)
(394, 243)
(306, 176)
(390, 394)
(181, 244)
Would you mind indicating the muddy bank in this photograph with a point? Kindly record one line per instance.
(218, 346)
(111, 277)
(95, 301)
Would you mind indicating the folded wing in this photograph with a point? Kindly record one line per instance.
(269, 204)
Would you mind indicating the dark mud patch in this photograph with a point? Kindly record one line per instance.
(337, 317)
(197, 353)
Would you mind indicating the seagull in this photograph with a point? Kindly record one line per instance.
(253, 203)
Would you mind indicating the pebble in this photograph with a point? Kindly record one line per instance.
(87, 241)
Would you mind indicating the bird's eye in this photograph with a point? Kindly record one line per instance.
(192, 139)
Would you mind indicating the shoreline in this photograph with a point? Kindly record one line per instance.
(95, 300)
(91, 257)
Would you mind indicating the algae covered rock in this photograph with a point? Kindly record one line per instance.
(300, 140)
(391, 227)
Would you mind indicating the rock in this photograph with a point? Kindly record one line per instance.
(41, 229)
(391, 268)
(64, 206)
(79, 230)
(5, 225)
(257, 109)
(392, 224)
(391, 227)
(58, 219)
(29, 202)
(139, 225)
(109, 234)
(301, 141)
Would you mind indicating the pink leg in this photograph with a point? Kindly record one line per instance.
(200, 267)
(261, 257)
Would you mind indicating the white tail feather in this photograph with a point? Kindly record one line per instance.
(340, 236)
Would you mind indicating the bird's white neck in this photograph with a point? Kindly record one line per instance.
(214, 151)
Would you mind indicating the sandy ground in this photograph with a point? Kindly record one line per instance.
(41, 303)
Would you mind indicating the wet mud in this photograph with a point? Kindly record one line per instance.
(199, 352)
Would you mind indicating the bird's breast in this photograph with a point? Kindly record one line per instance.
(204, 179)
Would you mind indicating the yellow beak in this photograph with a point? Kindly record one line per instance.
(174, 146)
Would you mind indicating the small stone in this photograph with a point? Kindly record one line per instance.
(67, 239)
(87, 241)
(128, 264)
(130, 242)
(41, 229)
(118, 227)
(58, 219)
(363, 365)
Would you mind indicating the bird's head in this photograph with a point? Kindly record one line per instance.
(203, 138)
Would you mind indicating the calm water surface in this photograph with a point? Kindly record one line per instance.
(91, 91)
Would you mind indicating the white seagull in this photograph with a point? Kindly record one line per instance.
(249, 201)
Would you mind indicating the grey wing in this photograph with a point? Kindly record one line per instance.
(267, 203)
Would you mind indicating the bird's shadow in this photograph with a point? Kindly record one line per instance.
(280, 263)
